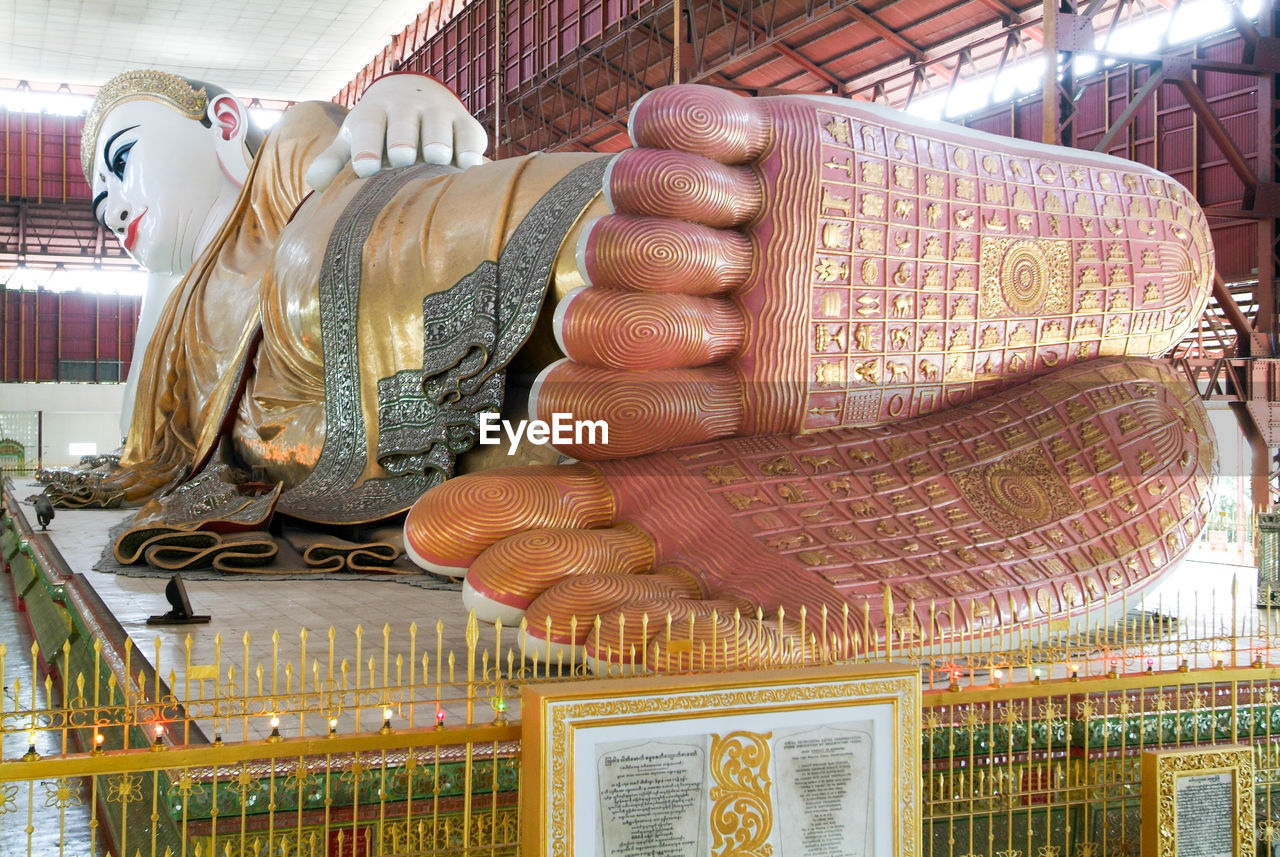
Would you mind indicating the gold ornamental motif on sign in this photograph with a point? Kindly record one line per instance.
(742, 811)
(1017, 493)
(1024, 277)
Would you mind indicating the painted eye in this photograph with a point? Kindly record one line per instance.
(120, 159)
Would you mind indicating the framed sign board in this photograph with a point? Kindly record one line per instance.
(812, 762)
(1198, 802)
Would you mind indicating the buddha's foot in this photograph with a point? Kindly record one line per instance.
(1048, 499)
(784, 265)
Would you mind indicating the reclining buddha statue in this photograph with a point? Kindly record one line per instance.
(845, 356)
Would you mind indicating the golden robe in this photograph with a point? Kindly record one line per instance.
(295, 346)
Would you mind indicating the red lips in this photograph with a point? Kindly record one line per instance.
(131, 235)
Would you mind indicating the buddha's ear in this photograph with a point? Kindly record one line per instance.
(227, 116)
(229, 121)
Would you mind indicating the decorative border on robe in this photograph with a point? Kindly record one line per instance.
(427, 416)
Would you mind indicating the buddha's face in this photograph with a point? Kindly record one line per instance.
(164, 183)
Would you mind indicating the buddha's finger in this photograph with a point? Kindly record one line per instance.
(628, 330)
(469, 142)
(404, 131)
(663, 183)
(654, 254)
(328, 164)
(510, 574)
(453, 523)
(367, 139)
(437, 140)
(617, 413)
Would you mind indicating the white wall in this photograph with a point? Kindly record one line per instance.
(1235, 458)
(71, 413)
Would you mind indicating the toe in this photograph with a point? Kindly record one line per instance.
(719, 635)
(622, 251)
(559, 621)
(704, 120)
(638, 412)
(505, 579)
(623, 634)
(627, 330)
(662, 183)
(451, 524)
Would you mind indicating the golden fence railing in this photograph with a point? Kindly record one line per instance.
(446, 791)
(1052, 768)
(353, 681)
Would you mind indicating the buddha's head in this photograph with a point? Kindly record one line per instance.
(166, 158)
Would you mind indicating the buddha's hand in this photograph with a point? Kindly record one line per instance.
(790, 264)
(400, 120)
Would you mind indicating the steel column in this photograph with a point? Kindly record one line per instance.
(1058, 96)
(1265, 199)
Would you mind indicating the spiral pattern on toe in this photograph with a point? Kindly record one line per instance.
(755, 644)
(704, 635)
(639, 331)
(711, 122)
(551, 616)
(624, 633)
(662, 183)
(644, 410)
(451, 524)
(519, 568)
(682, 582)
(622, 251)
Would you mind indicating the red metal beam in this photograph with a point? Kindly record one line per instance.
(1213, 125)
(1014, 18)
(1123, 121)
(789, 52)
(914, 51)
(64, 232)
(1235, 317)
(1266, 50)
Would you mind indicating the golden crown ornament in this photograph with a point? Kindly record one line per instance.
(140, 85)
